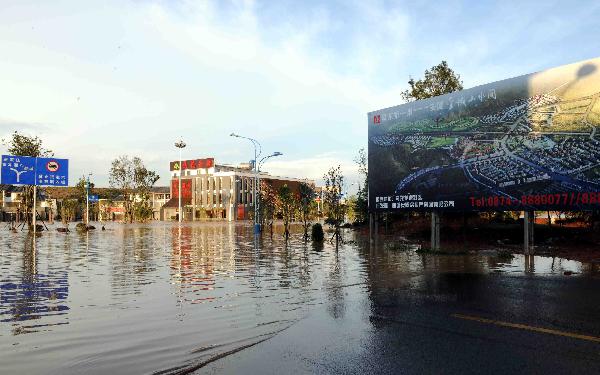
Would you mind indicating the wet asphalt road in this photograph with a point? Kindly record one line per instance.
(439, 323)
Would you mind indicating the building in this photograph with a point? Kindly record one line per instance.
(217, 191)
(12, 204)
(159, 196)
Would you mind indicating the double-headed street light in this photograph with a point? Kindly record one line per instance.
(256, 185)
(180, 145)
(257, 152)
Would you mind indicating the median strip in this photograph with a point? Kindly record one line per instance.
(528, 328)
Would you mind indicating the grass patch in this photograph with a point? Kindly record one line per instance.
(437, 142)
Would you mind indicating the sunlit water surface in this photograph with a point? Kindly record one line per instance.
(160, 297)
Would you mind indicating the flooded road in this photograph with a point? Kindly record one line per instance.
(169, 299)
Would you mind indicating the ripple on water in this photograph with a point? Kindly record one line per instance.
(144, 298)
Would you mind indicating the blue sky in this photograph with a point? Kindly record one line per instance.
(100, 79)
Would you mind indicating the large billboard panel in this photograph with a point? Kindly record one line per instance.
(526, 143)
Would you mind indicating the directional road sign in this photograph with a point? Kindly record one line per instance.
(52, 172)
(18, 170)
(93, 198)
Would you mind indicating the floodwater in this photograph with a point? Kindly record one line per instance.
(166, 298)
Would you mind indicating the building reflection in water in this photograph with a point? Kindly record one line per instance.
(198, 255)
(35, 300)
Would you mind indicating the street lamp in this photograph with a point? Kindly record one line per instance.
(180, 145)
(257, 152)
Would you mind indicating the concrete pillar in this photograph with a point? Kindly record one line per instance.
(528, 224)
(435, 231)
(529, 263)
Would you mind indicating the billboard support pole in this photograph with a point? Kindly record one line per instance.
(34, 211)
(435, 231)
(528, 224)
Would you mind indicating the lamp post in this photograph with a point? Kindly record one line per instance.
(180, 145)
(87, 200)
(257, 152)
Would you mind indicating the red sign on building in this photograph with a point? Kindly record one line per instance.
(192, 164)
(186, 188)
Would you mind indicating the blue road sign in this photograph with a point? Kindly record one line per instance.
(18, 170)
(93, 198)
(52, 172)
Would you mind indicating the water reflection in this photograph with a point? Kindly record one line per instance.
(141, 298)
(28, 296)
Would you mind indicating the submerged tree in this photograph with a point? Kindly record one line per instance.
(135, 181)
(335, 209)
(438, 80)
(307, 197)
(268, 204)
(82, 192)
(287, 205)
(360, 205)
(68, 210)
(23, 145)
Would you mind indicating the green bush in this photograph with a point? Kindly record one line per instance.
(317, 233)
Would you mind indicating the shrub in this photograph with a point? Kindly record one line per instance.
(317, 233)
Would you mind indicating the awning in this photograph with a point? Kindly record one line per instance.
(174, 202)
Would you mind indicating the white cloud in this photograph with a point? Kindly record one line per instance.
(118, 77)
(313, 167)
(161, 71)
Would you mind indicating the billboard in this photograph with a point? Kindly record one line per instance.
(526, 143)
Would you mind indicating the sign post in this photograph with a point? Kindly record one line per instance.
(34, 209)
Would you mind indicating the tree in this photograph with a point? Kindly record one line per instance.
(268, 204)
(135, 181)
(307, 198)
(287, 205)
(351, 205)
(438, 80)
(23, 145)
(361, 203)
(82, 191)
(335, 209)
(68, 209)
